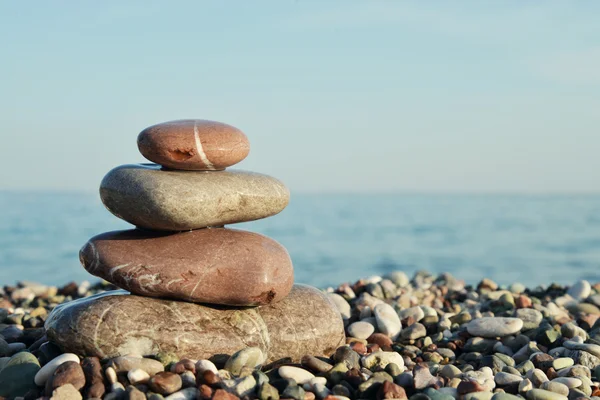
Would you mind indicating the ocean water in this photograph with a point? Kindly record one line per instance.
(337, 238)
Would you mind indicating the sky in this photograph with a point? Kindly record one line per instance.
(334, 96)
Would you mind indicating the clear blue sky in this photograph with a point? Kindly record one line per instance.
(334, 95)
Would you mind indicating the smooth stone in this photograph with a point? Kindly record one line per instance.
(382, 359)
(341, 304)
(531, 318)
(491, 327)
(69, 372)
(193, 144)
(190, 393)
(137, 375)
(66, 392)
(47, 370)
(555, 387)
(414, 331)
(300, 375)
(149, 197)
(361, 330)
(250, 357)
(218, 266)
(17, 376)
(504, 378)
(568, 381)
(388, 321)
(305, 322)
(562, 362)
(580, 290)
(127, 363)
(165, 383)
(591, 348)
(541, 394)
(206, 365)
(415, 312)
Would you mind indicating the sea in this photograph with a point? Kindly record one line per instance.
(337, 238)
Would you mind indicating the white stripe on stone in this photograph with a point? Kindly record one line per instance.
(200, 150)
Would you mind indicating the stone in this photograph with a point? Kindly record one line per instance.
(491, 327)
(149, 197)
(66, 392)
(383, 358)
(250, 357)
(346, 355)
(267, 392)
(361, 330)
(48, 370)
(17, 376)
(196, 145)
(205, 365)
(69, 372)
(165, 383)
(531, 318)
(341, 304)
(137, 375)
(93, 377)
(127, 363)
(300, 375)
(134, 393)
(504, 378)
(555, 387)
(541, 394)
(306, 321)
(414, 331)
(315, 364)
(580, 290)
(219, 266)
(388, 321)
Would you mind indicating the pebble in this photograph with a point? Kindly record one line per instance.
(382, 358)
(360, 330)
(165, 383)
(189, 201)
(300, 375)
(341, 304)
(580, 290)
(250, 357)
(531, 318)
(491, 327)
(504, 378)
(540, 394)
(137, 375)
(47, 370)
(127, 363)
(193, 144)
(568, 381)
(69, 372)
(190, 393)
(66, 392)
(414, 331)
(205, 365)
(388, 321)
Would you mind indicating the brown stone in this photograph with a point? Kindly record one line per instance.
(69, 372)
(380, 339)
(153, 198)
(113, 324)
(221, 394)
(94, 377)
(468, 386)
(193, 145)
(205, 392)
(165, 383)
(390, 390)
(184, 365)
(218, 266)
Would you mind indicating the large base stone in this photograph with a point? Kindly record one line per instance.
(116, 323)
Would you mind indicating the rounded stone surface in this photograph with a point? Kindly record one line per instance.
(48, 370)
(218, 266)
(153, 198)
(304, 322)
(388, 321)
(361, 329)
(491, 327)
(193, 144)
(300, 375)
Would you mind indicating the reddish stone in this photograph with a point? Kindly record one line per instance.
(359, 347)
(94, 377)
(221, 394)
(372, 348)
(468, 386)
(205, 392)
(210, 378)
(165, 383)
(219, 266)
(523, 301)
(193, 145)
(184, 365)
(69, 372)
(390, 390)
(380, 339)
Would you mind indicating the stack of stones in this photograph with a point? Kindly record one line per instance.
(196, 287)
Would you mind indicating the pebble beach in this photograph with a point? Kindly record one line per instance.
(424, 337)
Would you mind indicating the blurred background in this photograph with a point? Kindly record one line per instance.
(458, 138)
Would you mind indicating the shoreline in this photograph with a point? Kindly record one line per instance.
(427, 337)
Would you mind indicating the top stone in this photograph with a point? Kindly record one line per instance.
(193, 144)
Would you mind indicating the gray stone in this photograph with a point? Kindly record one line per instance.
(147, 196)
(531, 318)
(414, 331)
(490, 327)
(540, 394)
(250, 357)
(388, 321)
(17, 376)
(306, 321)
(580, 290)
